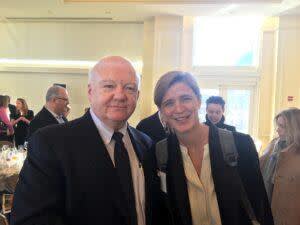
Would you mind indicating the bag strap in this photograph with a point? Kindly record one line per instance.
(230, 155)
(161, 152)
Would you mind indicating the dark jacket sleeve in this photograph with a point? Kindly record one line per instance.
(30, 115)
(38, 197)
(141, 126)
(251, 177)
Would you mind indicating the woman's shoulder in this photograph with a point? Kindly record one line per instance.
(270, 147)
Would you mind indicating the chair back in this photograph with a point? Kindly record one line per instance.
(7, 201)
(2, 143)
(3, 220)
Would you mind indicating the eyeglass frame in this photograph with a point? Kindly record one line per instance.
(61, 98)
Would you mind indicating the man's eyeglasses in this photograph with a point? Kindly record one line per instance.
(61, 98)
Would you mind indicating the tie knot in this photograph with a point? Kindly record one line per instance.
(117, 136)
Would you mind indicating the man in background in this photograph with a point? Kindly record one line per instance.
(215, 107)
(153, 126)
(57, 100)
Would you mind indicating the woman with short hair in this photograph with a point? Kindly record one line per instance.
(197, 184)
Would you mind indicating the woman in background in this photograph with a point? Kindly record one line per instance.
(6, 127)
(22, 120)
(280, 166)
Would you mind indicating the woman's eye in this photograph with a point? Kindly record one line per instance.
(168, 104)
(187, 98)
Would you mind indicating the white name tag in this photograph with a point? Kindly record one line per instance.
(163, 181)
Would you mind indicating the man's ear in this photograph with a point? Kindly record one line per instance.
(89, 92)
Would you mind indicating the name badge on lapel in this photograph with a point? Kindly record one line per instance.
(163, 181)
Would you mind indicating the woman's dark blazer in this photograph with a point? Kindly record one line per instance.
(229, 202)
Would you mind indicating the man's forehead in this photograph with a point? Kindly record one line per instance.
(113, 64)
(63, 92)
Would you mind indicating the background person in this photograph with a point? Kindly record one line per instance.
(57, 99)
(281, 170)
(215, 107)
(12, 108)
(153, 126)
(7, 130)
(23, 116)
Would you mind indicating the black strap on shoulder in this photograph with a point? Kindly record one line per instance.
(230, 155)
(161, 152)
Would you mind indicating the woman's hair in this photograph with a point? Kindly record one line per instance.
(292, 122)
(171, 78)
(24, 108)
(3, 101)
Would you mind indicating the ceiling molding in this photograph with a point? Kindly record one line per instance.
(56, 70)
(179, 1)
(58, 19)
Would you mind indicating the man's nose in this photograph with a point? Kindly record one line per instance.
(119, 92)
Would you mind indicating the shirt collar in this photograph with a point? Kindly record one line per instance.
(105, 132)
(53, 113)
(161, 120)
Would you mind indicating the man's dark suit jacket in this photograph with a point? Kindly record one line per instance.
(68, 178)
(226, 187)
(42, 119)
(152, 127)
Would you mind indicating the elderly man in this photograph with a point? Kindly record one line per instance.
(57, 100)
(95, 169)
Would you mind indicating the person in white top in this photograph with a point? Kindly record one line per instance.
(198, 186)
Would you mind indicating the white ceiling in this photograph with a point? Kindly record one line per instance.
(141, 11)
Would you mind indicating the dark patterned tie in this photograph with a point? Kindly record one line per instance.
(122, 165)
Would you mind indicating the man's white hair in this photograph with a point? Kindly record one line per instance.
(91, 75)
(53, 91)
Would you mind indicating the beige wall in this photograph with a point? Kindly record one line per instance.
(280, 76)
(70, 41)
(33, 86)
(288, 63)
(162, 53)
(62, 41)
(162, 43)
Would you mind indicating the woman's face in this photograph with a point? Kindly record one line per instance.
(281, 127)
(19, 105)
(180, 108)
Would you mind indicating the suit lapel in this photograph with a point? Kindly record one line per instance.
(137, 144)
(176, 181)
(140, 150)
(225, 187)
(49, 117)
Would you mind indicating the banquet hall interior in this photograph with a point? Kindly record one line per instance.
(246, 51)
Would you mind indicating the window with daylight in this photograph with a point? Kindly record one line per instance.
(226, 41)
